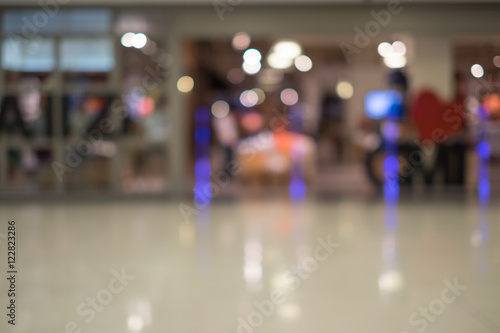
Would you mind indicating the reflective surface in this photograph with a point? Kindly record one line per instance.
(337, 266)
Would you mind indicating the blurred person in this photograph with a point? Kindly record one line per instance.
(226, 133)
(332, 123)
(11, 120)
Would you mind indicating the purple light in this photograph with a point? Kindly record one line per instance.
(391, 185)
(202, 114)
(298, 189)
(391, 131)
(202, 169)
(484, 190)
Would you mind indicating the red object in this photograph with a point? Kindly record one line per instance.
(436, 120)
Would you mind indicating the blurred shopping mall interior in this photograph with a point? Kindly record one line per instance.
(254, 166)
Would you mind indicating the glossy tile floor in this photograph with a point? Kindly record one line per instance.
(255, 266)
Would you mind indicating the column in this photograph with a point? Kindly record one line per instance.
(431, 65)
(177, 155)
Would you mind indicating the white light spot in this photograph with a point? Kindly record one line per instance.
(220, 109)
(289, 97)
(345, 90)
(395, 61)
(303, 63)
(477, 71)
(127, 39)
(399, 48)
(277, 61)
(139, 41)
(252, 56)
(241, 41)
(251, 68)
(185, 84)
(287, 49)
(390, 281)
(384, 49)
(249, 98)
(135, 323)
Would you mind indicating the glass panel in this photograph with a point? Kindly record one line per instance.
(87, 54)
(32, 22)
(36, 55)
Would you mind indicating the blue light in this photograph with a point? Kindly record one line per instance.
(484, 149)
(484, 190)
(381, 103)
(202, 114)
(298, 189)
(391, 184)
(202, 199)
(391, 165)
(202, 169)
(202, 135)
(391, 131)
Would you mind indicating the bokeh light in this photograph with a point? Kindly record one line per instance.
(303, 63)
(260, 94)
(287, 49)
(278, 61)
(185, 84)
(249, 98)
(395, 61)
(496, 61)
(220, 109)
(251, 68)
(399, 48)
(477, 71)
(139, 40)
(289, 97)
(384, 49)
(252, 56)
(127, 39)
(345, 90)
(241, 41)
